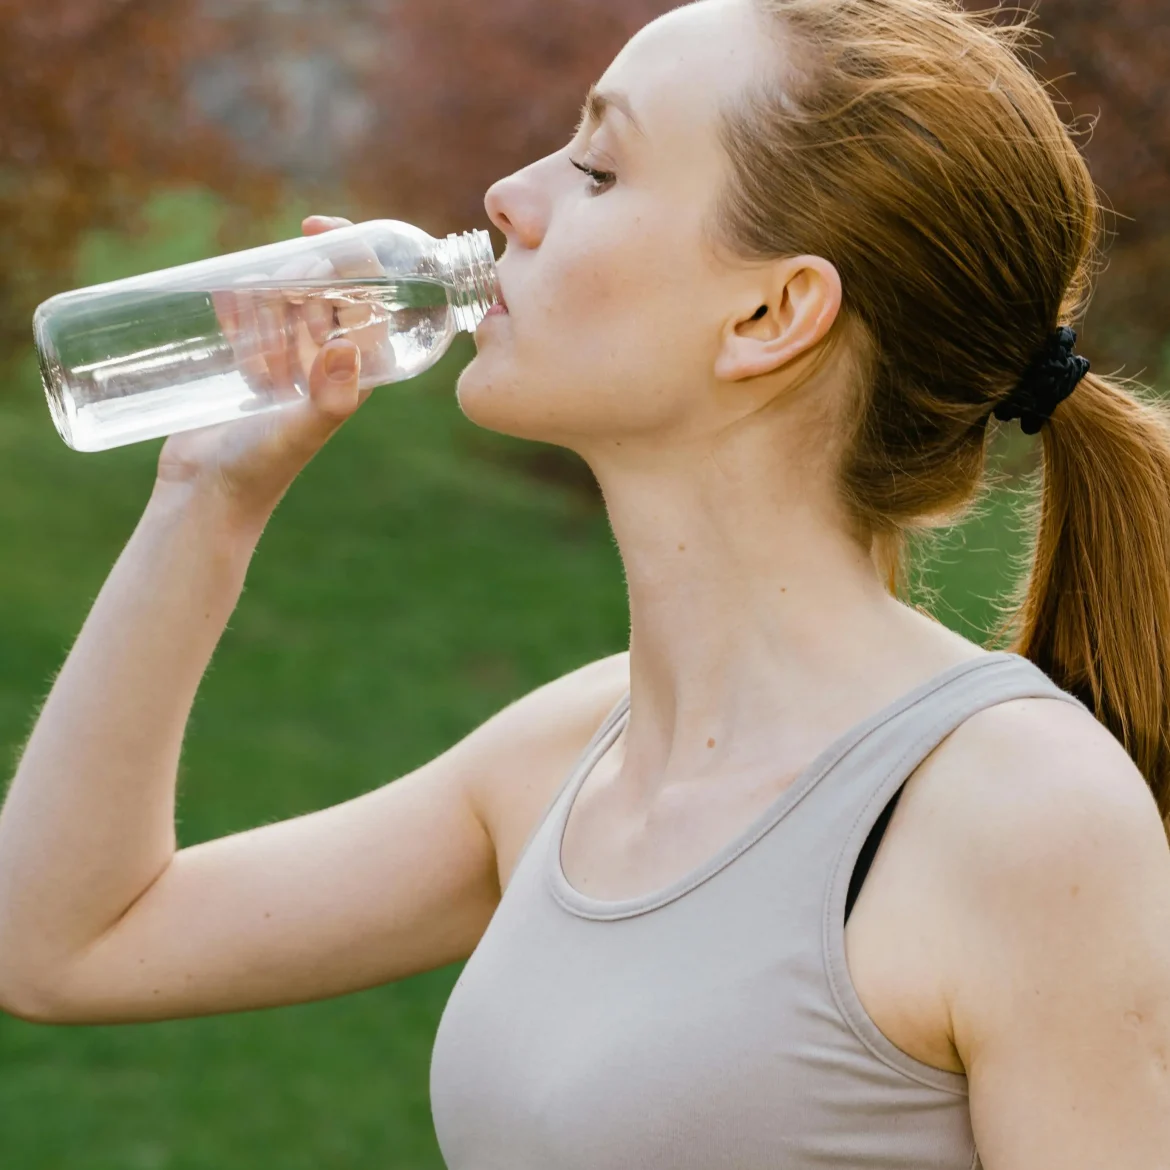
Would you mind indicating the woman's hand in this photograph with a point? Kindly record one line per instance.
(249, 463)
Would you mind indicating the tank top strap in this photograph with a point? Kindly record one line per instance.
(881, 760)
(881, 764)
(584, 763)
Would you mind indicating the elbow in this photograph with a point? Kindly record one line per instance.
(32, 1000)
(31, 1010)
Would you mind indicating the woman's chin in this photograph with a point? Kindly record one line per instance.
(497, 406)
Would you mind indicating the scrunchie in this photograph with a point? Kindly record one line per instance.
(1047, 382)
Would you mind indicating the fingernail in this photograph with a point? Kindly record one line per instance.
(340, 363)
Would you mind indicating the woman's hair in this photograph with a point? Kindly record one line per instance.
(907, 142)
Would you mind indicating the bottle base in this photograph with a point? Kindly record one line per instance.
(53, 380)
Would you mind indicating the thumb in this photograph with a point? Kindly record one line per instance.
(333, 382)
(333, 397)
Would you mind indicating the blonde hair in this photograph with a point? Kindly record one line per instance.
(908, 142)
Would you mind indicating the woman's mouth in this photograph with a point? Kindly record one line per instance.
(501, 301)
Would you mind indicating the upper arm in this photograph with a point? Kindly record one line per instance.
(1060, 985)
(398, 880)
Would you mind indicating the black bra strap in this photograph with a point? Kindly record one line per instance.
(868, 852)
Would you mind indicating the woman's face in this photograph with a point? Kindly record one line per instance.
(618, 302)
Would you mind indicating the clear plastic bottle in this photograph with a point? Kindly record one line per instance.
(220, 339)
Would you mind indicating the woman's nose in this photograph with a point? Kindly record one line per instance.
(514, 205)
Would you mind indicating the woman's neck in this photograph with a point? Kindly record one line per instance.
(759, 628)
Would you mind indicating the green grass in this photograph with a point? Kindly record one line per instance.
(411, 583)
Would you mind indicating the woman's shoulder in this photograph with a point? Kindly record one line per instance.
(530, 746)
(1044, 877)
(1026, 752)
(1036, 827)
(1032, 776)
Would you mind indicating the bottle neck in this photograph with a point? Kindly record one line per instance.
(472, 266)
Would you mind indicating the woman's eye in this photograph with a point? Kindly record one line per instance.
(601, 179)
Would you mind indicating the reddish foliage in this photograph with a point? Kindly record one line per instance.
(464, 99)
(1110, 63)
(98, 108)
(1113, 60)
(96, 114)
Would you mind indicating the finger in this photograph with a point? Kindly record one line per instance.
(356, 318)
(308, 316)
(277, 341)
(247, 332)
(314, 225)
(318, 312)
(264, 338)
(365, 323)
(333, 397)
(353, 316)
(225, 305)
(353, 259)
(291, 275)
(333, 382)
(359, 319)
(374, 339)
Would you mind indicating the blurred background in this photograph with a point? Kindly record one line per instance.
(421, 573)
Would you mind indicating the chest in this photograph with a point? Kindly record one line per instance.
(613, 848)
(696, 1029)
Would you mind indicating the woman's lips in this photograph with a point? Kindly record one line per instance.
(499, 291)
(497, 310)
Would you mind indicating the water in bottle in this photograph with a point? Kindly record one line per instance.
(225, 338)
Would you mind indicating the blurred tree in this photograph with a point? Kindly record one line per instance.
(1111, 62)
(470, 92)
(1114, 59)
(97, 112)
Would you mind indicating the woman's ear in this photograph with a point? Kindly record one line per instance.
(793, 312)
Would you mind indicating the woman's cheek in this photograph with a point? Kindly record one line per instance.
(594, 276)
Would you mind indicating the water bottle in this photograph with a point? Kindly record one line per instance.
(224, 338)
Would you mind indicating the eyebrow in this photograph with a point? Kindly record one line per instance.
(597, 102)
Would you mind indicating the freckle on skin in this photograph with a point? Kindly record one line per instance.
(1075, 890)
(682, 548)
(710, 743)
(782, 589)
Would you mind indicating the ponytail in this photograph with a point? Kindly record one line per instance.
(909, 143)
(1094, 613)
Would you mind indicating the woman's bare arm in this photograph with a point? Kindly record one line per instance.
(88, 823)
(1045, 874)
(101, 920)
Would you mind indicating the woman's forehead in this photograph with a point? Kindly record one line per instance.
(676, 71)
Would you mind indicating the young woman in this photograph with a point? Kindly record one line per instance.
(817, 244)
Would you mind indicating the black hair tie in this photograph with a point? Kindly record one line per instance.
(1048, 381)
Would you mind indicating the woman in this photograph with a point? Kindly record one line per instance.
(817, 244)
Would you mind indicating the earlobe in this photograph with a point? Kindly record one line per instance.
(804, 302)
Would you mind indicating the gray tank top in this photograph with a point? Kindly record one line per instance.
(711, 1024)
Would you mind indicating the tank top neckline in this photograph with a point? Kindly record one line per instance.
(587, 906)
